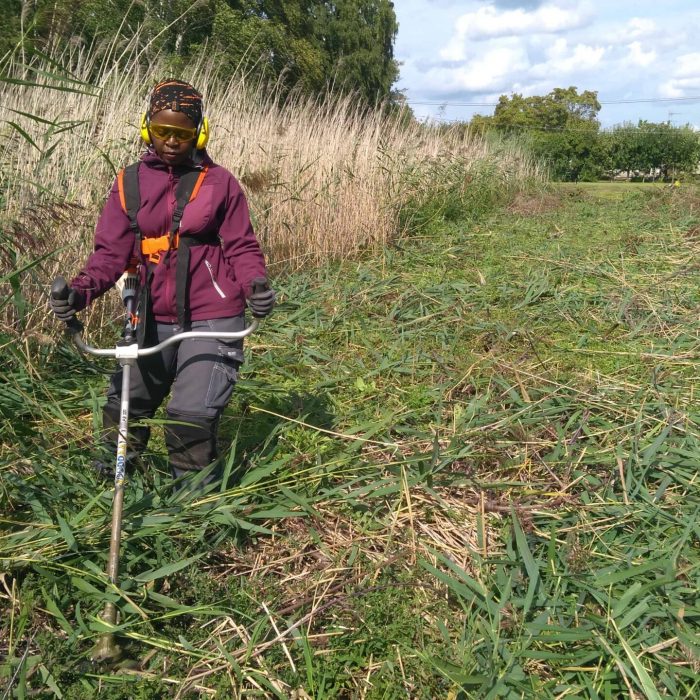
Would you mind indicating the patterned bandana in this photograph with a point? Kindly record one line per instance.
(178, 96)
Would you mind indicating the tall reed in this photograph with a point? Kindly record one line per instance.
(323, 179)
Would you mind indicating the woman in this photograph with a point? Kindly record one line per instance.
(206, 289)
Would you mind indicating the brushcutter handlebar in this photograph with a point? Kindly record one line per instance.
(60, 290)
(133, 351)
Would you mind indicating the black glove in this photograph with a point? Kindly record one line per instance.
(65, 309)
(262, 299)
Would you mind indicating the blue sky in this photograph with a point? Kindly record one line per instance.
(457, 51)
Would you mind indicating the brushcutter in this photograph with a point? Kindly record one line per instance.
(127, 352)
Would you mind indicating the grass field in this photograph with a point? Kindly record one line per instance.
(463, 468)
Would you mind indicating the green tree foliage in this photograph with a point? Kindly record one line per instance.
(561, 108)
(560, 127)
(650, 148)
(311, 45)
(358, 38)
(11, 25)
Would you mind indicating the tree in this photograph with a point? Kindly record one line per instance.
(315, 46)
(653, 149)
(561, 128)
(11, 26)
(357, 37)
(561, 108)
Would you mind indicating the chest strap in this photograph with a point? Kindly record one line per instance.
(156, 249)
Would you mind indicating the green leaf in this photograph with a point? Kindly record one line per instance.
(24, 135)
(54, 610)
(168, 569)
(466, 588)
(608, 578)
(531, 566)
(67, 533)
(642, 675)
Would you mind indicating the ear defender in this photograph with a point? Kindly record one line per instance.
(203, 135)
(202, 132)
(145, 136)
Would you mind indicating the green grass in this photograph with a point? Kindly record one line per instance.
(465, 468)
(611, 190)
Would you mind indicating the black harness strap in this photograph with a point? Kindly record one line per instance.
(183, 193)
(131, 201)
(132, 198)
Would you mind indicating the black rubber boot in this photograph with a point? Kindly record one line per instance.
(191, 443)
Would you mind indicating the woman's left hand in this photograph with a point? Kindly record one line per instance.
(262, 298)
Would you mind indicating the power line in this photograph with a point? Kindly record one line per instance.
(636, 130)
(640, 100)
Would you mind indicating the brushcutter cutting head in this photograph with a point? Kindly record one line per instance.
(107, 651)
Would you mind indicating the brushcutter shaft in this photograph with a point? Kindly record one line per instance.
(128, 352)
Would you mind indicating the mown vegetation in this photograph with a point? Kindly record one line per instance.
(463, 467)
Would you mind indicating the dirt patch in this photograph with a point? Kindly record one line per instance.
(529, 204)
(693, 233)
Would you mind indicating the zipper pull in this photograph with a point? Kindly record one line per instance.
(213, 279)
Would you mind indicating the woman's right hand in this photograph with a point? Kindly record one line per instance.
(66, 308)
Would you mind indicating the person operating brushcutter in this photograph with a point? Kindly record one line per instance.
(184, 221)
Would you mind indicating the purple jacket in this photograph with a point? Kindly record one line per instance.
(220, 275)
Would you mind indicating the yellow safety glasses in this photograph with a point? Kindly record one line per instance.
(164, 131)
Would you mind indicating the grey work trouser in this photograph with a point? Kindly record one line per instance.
(199, 375)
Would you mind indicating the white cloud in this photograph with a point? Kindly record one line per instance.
(687, 65)
(563, 59)
(685, 77)
(637, 28)
(637, 56)
(488, 22)
(680, 87)
(489, 71)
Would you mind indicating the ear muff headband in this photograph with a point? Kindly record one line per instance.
(202, 132)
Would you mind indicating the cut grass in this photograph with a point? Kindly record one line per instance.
(465, 468)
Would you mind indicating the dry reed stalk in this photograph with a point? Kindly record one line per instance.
(323, 180)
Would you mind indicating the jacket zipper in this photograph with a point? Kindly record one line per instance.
(168, 284)
(213, 279)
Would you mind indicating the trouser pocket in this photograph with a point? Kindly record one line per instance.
(223, 378)
(207, 370)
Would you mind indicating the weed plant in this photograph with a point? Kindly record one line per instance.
(465, 467)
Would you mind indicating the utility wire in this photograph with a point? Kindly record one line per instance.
(672, 130)
(640, 100)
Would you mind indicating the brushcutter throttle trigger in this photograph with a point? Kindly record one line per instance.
(61, 290)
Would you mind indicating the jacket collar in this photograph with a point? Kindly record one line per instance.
(151, 159)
